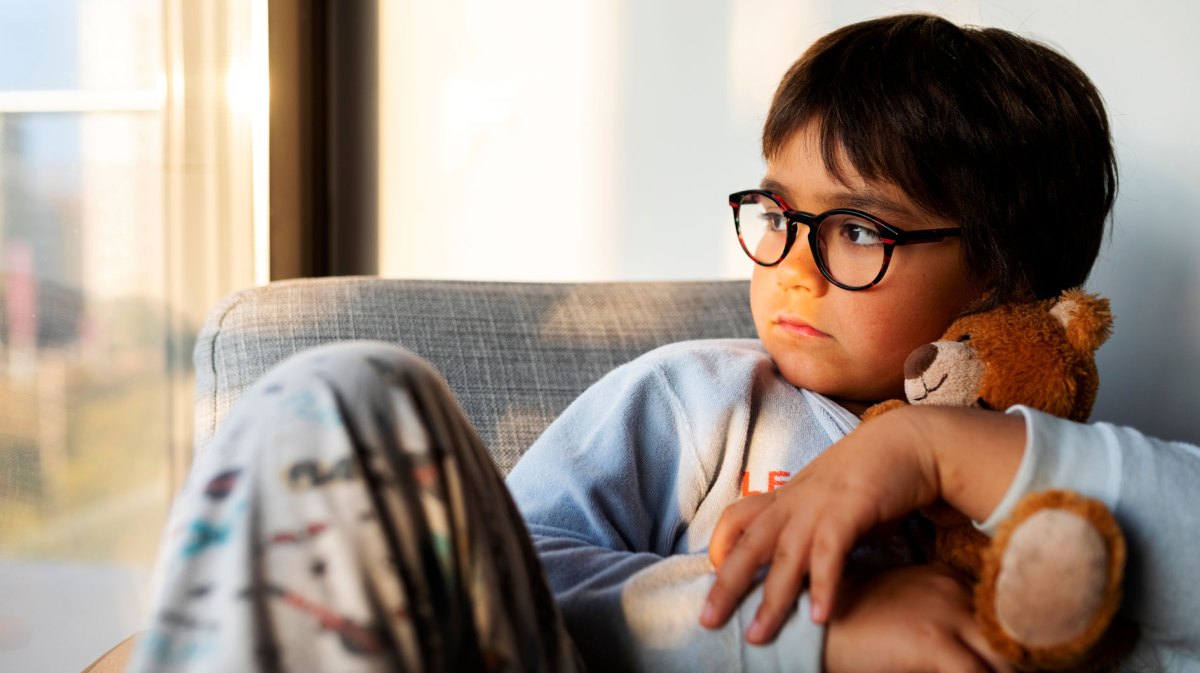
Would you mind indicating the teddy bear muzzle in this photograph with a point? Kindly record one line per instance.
(943, 372)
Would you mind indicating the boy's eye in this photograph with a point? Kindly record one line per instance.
(857, 232)
(774, 221)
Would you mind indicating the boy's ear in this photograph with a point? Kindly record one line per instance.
(1086, 318)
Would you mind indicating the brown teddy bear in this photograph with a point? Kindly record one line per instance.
(1049, 584)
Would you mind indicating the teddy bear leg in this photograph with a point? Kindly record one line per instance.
(1051, 580)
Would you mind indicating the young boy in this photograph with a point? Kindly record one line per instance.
(987, 159)
(346, 517)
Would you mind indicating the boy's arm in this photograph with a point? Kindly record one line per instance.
(1149, 484)
(888, 467)
(982, 463)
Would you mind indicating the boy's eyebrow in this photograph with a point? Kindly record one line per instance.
(776, 188)
(867, 200)
(871, 202)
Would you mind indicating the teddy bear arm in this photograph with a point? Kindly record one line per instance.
(882, 408)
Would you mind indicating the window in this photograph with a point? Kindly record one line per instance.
(127, 209)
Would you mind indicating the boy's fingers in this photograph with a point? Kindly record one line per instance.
(828, 559)
(954, 656)
(733, 522)
(973, 638)
(732, 582)
(784, 581)
(737, 573)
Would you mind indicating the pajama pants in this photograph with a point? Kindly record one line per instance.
(346, 517)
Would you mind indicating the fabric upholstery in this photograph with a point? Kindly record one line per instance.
(515, 354)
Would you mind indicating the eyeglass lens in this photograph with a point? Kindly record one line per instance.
(848, 246)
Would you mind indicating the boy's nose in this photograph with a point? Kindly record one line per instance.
(799, 268)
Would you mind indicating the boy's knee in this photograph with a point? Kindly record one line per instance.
(355, 352)
(356, 365)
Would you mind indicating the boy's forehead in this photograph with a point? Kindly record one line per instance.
(888, 202)
(799, 174)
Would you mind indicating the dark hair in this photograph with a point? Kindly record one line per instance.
(999, 134)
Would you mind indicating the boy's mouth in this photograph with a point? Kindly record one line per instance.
(798, 327)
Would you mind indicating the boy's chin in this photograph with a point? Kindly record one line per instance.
(854, 400)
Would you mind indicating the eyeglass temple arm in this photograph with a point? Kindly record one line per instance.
(927, 235)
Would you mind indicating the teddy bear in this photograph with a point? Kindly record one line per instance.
(1048, 585)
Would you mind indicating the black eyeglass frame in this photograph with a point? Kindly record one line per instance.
(891, 236)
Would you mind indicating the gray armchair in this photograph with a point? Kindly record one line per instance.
(515, 354)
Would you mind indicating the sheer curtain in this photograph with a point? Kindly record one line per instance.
(127, 208)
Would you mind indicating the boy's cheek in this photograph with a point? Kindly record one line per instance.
(764, 300)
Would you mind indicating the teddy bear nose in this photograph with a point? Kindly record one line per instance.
(919, 360)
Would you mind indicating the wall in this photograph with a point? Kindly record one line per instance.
(597, 141)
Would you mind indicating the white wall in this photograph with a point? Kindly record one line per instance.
(598, 140)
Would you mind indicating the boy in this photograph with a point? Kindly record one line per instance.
(928, 127)
(985, 157)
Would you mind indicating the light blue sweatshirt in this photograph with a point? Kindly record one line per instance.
(622, 492)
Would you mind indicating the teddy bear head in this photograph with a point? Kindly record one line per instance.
(1041, 354)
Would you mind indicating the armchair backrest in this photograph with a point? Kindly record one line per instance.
(515, 354)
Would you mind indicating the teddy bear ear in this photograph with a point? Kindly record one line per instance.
(1086, 318)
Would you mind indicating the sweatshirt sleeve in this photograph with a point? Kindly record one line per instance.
(1151, 487)
(607, 492)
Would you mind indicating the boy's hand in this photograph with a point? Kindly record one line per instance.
(887, 467)
(875, 474)
(916, 618)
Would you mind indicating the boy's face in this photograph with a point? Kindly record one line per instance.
(848, 345)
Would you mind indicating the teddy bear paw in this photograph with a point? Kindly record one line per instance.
(1052, 580)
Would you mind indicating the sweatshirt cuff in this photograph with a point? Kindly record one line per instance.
(1060, 454)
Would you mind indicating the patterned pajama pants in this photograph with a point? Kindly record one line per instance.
(346, 517)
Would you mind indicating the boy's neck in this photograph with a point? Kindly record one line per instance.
(853, 406)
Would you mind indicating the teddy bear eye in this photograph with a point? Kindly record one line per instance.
(965, 337)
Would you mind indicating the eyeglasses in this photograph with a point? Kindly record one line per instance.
(851, 248)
